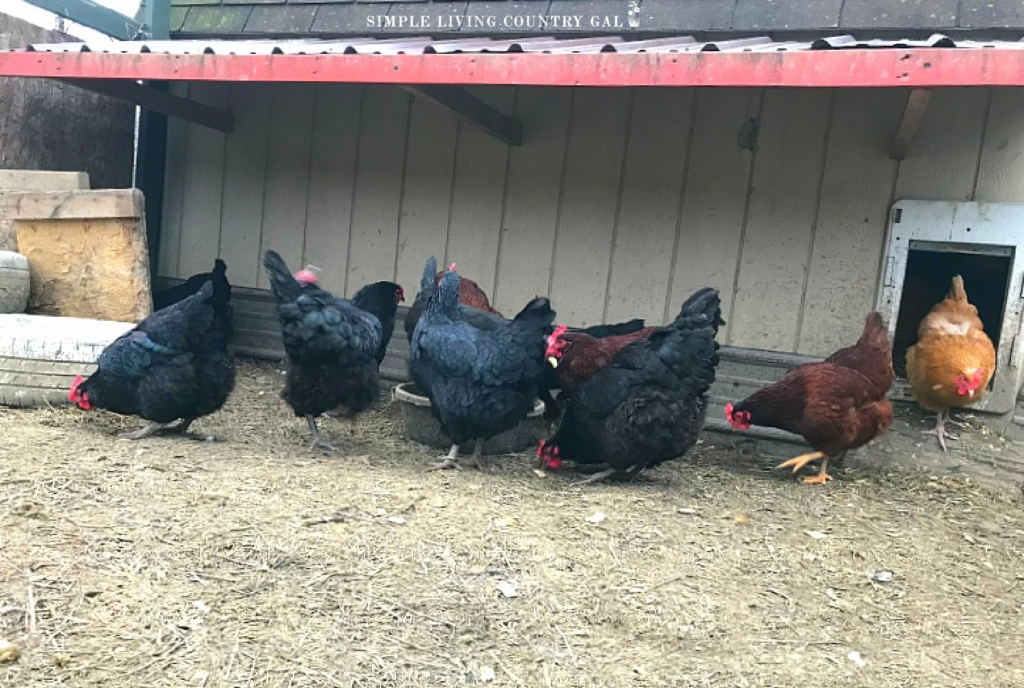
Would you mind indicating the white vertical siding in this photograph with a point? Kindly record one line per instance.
(618, 204)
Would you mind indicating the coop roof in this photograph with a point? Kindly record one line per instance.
(840, 61)
(353, 17)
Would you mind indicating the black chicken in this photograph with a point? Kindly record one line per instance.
(173, 366)
(333, 346)
(480, 382)
(218, 276)
(649, 405)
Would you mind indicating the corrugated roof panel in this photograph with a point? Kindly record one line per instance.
(541, 44)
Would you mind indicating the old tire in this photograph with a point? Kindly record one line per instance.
(40, 356)
(14, 282)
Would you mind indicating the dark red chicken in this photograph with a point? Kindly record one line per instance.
(836, 405)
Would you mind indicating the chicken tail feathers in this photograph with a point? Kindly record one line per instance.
(705, 304)
(429, 279)
(956, 290)
(875, 332)
(283, 285)
(537, 314)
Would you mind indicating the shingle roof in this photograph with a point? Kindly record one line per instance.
(497, 17)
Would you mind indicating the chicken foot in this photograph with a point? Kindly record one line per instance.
(151, 429)
(447, 462)
(451, 460)
(798, 462)
(630, 473)
(318, 441)
(942, 417)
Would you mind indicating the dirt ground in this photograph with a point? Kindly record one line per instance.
(249, 561)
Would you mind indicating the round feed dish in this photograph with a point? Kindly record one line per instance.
(422, 426)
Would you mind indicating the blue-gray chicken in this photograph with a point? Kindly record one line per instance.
(480, 382)
(332, 345)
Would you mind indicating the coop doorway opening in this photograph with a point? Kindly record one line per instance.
(930, 268)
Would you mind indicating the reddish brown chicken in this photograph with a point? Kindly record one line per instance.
(576, 356)
(836, 405)
(470, 294)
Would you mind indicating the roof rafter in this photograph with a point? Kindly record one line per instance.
(473, 110)
(159, 101)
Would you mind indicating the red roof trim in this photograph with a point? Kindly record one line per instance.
(922, 67)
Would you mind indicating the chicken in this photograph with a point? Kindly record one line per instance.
(333, 346)
(470, 294)
(953, 360)
(649, 404)
(574, 357)
(173, 366)
(218, 276)
(836, 405)
(480, 382)
(428, 286)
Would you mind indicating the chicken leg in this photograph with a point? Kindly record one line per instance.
(940, 429)
(151, 429)
(181, 428)
(447, 462)
(798, 462)
(318, 441)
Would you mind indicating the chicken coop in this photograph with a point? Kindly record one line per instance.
(812, 162)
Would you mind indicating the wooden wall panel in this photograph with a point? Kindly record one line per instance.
(942, 163)
(245, 176)
(203, 183)
(652, 185)
(1001, 171)
(175, 169)
(531, 200)
(780, 219)
(715, 198)
(850, 234)
(478, 190)
(378, 187)
(427, 192)
(284, 201)
(332, 173)
(587, 211)
(617, 205)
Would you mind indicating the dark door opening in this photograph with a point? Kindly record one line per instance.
(930, 267)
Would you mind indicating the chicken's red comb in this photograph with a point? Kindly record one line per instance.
(559, 331)
(73, 392)
(306, 276)
(728, 412)
(451, 268)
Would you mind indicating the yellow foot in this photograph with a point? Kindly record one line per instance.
(819, 479)
(799, 462)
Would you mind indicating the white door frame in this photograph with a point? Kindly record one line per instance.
(996, 224)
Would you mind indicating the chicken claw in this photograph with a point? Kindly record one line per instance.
(445, 463)
(318, 441)
(940, 430)
(596, 477)
(798, 462)
(151, 429)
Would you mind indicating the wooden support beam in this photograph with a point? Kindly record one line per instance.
(160, 101)
(473, 110)
(913, 114)
(93, 15)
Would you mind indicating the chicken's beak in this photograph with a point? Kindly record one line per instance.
(970, 392)
(553, 360)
